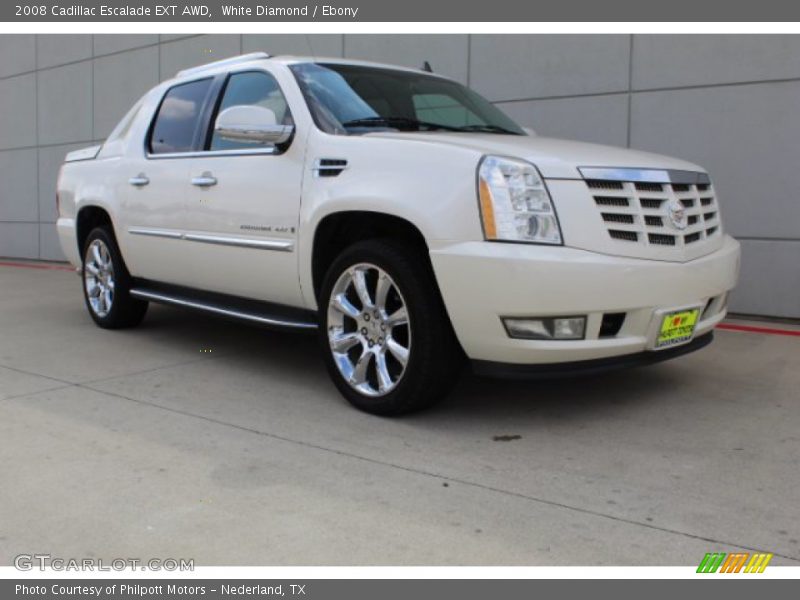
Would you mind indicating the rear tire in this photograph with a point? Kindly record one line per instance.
(385, 334)
(107, 283)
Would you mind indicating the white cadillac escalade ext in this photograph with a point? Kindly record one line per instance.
(402, 216)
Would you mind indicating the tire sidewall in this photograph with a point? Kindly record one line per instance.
(121, 278)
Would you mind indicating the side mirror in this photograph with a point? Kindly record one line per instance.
(248, 123)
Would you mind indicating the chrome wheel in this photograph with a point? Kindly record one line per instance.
(368, 329)
(98, 277)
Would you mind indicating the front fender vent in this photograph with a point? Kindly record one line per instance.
(329, 167)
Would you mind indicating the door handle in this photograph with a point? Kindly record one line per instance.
(204, 180)
(139, 181)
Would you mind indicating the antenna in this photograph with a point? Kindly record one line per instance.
(310, 47)
(427, 67)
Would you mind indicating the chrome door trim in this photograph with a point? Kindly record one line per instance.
(212, 153)
(220, 240)
(674, 176)
(152, 232)
(219, 310)
(278, 245)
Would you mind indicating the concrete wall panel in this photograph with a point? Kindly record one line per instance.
(297, 44)
(119, 81)
(447, 54)
(18, 111)
(49, 246)
(770, 280)
(598, 119)
(53, 50)
(661, 61)
(18, 174)
(193, 51)
(19, 240)
(65, 104)
(512, 67)
(17, 54)
(112, 42)
(746, 136)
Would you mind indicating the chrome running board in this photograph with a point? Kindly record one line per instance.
(240, 309)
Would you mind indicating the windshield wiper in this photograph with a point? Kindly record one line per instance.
(397, 122)
(487, 129)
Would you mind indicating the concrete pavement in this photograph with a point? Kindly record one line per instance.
(192, 437)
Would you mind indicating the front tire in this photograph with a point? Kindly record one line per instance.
(107, 283)
(387, 340)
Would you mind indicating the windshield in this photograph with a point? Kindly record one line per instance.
(351, 99)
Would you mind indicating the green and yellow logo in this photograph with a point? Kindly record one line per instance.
(720, 562)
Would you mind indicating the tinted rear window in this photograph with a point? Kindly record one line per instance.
(178, 117)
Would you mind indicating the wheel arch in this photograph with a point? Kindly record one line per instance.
(338, 230)
(89, 217)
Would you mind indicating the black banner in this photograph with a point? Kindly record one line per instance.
(730, 588)
(393, 11)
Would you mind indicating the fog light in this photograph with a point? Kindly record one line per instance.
(547, 328)
(569, 328)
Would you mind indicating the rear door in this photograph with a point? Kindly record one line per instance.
(154, 180)
(243, 202)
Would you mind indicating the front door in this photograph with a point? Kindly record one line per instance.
(243, 204)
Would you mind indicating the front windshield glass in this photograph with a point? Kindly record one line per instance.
(351, 99)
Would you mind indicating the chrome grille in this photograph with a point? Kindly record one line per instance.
(637, 212)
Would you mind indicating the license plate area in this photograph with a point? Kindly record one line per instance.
(675, 327)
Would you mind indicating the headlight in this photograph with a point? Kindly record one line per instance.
(515, 205)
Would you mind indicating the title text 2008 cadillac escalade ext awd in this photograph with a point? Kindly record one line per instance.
(400, 214)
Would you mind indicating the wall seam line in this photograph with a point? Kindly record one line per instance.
(36, 136)
(630, 91)
(53, 145)
(756, 238)
(91, 90)
(469, 59)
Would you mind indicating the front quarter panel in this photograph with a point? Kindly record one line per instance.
(431, 186)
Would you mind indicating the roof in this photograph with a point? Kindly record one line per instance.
(257, 57)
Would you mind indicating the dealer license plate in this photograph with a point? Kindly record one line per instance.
(677, 328)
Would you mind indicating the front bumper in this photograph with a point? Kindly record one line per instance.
(484, 281)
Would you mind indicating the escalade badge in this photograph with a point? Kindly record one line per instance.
(677, 214)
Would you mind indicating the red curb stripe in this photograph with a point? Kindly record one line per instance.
(764, 330)
(36, 266)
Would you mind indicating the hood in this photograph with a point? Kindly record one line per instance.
(555, 159)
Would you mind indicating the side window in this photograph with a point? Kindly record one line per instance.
(252, 88)
(176, 122)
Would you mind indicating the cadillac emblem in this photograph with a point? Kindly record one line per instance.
(676, 213)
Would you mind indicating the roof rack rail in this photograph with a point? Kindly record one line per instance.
(224, 62)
